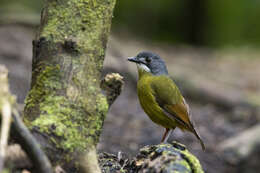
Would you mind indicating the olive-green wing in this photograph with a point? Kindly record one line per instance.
(173, 104)
(169, 98)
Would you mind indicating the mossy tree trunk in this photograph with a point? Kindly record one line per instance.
(65, 108)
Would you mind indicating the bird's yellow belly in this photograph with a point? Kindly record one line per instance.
(152, 109)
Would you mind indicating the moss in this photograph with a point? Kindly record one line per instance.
(188, 159)
(180, 166)
(193, 161)
(47, 82)
(63, 119)
(60, 117)
(84, 20)
(102, 104)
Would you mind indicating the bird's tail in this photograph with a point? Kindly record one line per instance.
(199, 138)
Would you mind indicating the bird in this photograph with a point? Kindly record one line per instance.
(160, 97)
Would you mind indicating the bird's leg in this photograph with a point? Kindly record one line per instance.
(166, 135)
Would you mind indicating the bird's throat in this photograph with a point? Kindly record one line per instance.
(142, 73)
(143, 70)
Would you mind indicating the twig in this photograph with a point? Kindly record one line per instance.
(112, 84)
(6, 100)
(5, 128)
(30, 145)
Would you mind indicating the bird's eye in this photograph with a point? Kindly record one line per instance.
(148, 60)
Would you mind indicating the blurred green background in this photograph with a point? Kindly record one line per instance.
(213, 23)
(200, 22)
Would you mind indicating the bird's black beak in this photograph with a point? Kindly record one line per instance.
(133, 59)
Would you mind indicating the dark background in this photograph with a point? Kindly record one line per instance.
(211, 46)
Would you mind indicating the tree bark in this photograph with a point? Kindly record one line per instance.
(65, 108)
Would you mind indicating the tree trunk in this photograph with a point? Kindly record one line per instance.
(65, 108)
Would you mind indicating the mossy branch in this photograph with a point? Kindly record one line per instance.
(167, 158)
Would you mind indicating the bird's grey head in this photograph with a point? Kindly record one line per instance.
(150, 62)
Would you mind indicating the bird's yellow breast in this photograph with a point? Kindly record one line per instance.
(148, 101)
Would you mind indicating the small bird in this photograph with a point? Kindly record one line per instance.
(160, 98)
